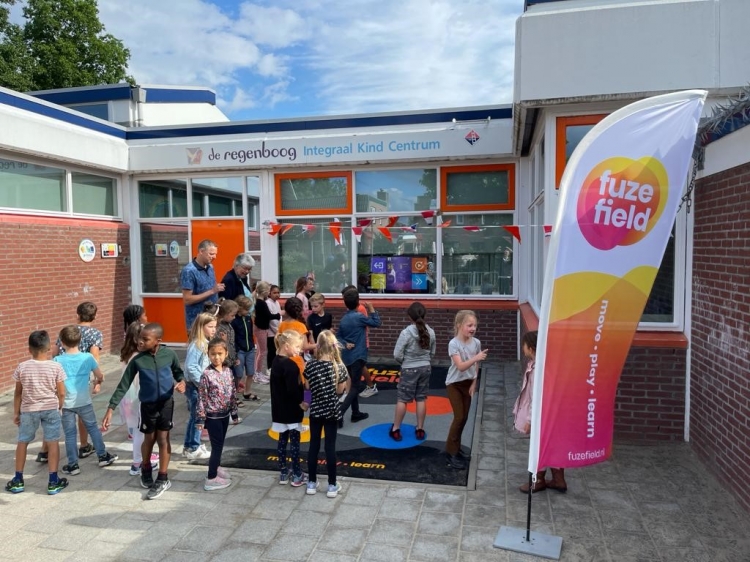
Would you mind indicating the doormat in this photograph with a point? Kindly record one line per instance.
(364, 449)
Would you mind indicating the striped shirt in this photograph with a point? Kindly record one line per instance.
(39, 380)
(321, 379)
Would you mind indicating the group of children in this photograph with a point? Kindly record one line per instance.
(220, 367)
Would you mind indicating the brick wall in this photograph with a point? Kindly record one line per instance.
(720, 367)
(43, 280)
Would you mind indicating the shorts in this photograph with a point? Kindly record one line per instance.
(413, 384)
(156, 416)
(51, 423)
(246, 366)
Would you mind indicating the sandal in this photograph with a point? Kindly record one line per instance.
(250, 396)
(420, 433)
(395, 434)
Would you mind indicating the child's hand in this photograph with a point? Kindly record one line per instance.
(305, 406)
(17, 419)
(199, 426)
(97, 388)
(370, 308)
(482, 355)
(349, 345)
(236, 362)
(106, 420)
(473, 388)
(180, 387)
(527, 428)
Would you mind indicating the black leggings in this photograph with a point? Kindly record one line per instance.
(316, 427)
(271, 351)
(217, 431)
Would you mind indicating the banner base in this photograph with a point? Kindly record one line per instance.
(513, 539)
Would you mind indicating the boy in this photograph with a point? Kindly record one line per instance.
(245, 346)
(371, 389)
(352, 335)
(78, 367)
(319, 319)
(39, 395)
(158, 368)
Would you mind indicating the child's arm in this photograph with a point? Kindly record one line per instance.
(95, 350)
(60, 394)
(178, 374)
(400, 349)
(200, 407)
(372, 319)
(17, 403)
(462, 365)
(122, 387)
(98, 380)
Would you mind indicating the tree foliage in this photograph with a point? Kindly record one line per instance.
(62, 45)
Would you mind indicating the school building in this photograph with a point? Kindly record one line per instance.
(105, 192)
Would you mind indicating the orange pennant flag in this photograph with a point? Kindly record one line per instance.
(386, 232)
(515, 231)
(392, 221)
(444, 224)
(275, 228)
(286, 228)
(335, 228)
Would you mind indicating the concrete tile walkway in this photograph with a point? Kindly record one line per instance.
(648, 503)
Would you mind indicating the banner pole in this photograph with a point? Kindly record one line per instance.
(528, 510)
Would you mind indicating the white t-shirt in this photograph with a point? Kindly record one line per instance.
(465, 350)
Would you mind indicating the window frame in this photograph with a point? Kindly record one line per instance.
(510, 168)
(347, 209)
(561, 125)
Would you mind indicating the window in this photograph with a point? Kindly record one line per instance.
(570, 131)
(160, 272)
(478, 188)
(29, 186)
(162, 199)
(220, 197)
(94, 195)
(100, 110)
(313, 193)
(310, 246)
(389, 191)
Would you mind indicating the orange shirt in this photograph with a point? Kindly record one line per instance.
(297, 326)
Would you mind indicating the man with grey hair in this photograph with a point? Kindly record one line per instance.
(198, 281)
(235, 280)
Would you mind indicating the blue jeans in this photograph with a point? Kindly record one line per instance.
(88, 417)
(30, 421)
(192, 435)
(246, 366)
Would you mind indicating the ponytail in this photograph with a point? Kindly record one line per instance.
(417, 313)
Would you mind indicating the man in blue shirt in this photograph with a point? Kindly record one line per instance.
(198, 281)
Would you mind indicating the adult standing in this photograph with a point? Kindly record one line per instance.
(235, 280)
(198, 281)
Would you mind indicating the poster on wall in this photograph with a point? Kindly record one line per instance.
(399, 274)
(86, 250)
(161, 250)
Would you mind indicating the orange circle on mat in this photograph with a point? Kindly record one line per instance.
(436, 406)
(304, 435)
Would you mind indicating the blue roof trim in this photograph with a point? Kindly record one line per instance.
(233, 128)
(119, 92)
(60, 115)
(169, 95)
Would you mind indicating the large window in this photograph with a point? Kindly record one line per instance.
(313, 193)
(570, 131)
(35, 187)
(162, 199)
(473, 188)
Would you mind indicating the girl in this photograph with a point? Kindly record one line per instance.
(196, 361)
(134, 313)
(522, 413)
(216, 403)
(226, 314)
(302, 287)
(287, 404)
(273, 326)
(327, 379)
(243, 339)
(263, 318)
(130, 407)
(414, 349)
(465, 352)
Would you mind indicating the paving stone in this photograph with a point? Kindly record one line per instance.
(406, 493)
(429, 548)
(303, 523)
(232, 552)
(346, 541)
(438, 500)
(376, 552)
(274, 509)
(289, 548)
(393, 508)
(434, 523)
(365, 494)
(260, 531)
(385, 531)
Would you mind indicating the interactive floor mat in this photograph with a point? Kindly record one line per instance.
(364, 449)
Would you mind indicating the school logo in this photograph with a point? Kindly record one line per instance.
(472, 137)
(621, 200)
(194, 155)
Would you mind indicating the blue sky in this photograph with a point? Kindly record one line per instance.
(284, 58)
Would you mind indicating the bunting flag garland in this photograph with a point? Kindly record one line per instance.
(274, 228)
(335, 228)
(357, 230)
(472, 228)
(411, 228)
(309, 229)
(391, 221)
(364, 222)
(286, 228)
(444, 224)
(547, 230)
(385, 231)
(515, 231)
(428, 216)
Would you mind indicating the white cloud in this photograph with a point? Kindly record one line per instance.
(272, 26)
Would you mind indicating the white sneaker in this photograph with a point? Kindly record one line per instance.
(223, 473)
(260, 378)
(369, 391)
(217, 483)
(199, 454)
(205, 451)
(312, 488)
(333, 490)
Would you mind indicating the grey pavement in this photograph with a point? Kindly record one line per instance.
(648, 503)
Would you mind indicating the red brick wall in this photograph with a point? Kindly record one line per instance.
(720, 368)
(43, 281)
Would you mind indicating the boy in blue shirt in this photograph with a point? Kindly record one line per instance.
(78, 367)
(352, 336)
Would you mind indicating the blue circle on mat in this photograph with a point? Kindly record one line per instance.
(377, 436)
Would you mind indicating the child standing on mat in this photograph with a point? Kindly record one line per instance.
(370, 389)
(273, 326)
(263, 318)
(288, 406)
(79, 367)
(227, 313)
(196, 360)
(319, 319)
(243, 341)
(414, 350)
(327, 379)
(38, 399)
(217, 402)
(353, 339)
(522, 420)
(160, 375)
(465, 352)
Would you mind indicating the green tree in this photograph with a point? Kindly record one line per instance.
(62, 45)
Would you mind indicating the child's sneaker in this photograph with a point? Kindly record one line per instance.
(333, 490)
(86, 451)
(217, 483)
(199, 454)
(154, 460)
(342, 398)
(135, 469)
(312, 488)
(72, 469)
(41, 457)
(300, 480)
(283, 479)
(159, 487)
(147, 479)
(369, 391)
(14, 486)
(57, 487)
(107, 459)
(223, 473)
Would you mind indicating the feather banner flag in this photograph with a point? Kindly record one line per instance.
(514, 230)
(619, 196)
(385, 231)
